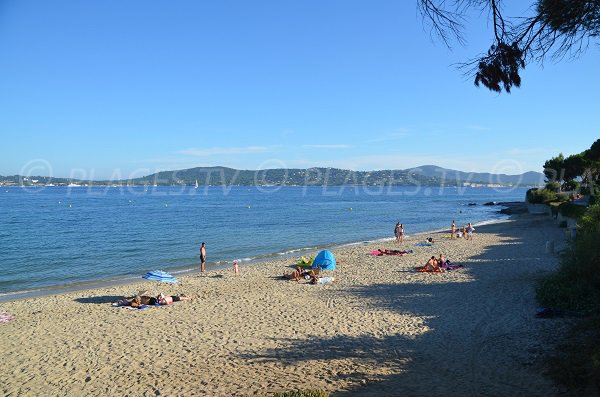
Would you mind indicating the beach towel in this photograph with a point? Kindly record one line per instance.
(159, 275)
(423, 245)
(451, 267)
(425, 270)
(135, 308)
(5, 318)
(142, 307)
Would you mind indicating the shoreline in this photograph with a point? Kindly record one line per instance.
(218, 267)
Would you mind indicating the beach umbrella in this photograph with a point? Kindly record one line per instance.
(159, 275)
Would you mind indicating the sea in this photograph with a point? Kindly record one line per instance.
(56, 238)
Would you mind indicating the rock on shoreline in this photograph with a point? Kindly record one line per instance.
(513, 207)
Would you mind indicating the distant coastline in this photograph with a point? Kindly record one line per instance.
(428, 175)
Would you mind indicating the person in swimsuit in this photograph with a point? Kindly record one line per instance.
(401, 233)
(295, 275)
(453, 230)
(170, 299)
(202, 257)
(397, 232)
(470, 230)
(432, 265)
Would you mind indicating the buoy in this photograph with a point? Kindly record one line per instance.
(70, 205)
(350, 209)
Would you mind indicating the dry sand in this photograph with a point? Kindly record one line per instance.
(381, 329)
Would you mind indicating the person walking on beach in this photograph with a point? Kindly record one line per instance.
(453, 230)
(202, 257)
(464, 233)
(470, 230)
(397, 232)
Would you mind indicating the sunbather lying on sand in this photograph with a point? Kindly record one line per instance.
(300, 273)
(170, 299)
(161, 299)
(295, 275)
(390, 252)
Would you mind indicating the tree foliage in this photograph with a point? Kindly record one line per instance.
(583, 166)
(554, 168)
(556, 28)
(575, 165)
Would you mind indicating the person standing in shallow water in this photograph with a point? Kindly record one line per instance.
(202, 257)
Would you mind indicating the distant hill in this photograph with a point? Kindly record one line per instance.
(427, 175)
(528, 178)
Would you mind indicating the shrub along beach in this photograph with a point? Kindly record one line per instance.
(574, 290)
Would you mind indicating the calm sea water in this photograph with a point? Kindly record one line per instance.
(60, 236)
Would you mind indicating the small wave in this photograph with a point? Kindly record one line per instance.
(292, 251)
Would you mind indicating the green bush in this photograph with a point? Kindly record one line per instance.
(563, 197)
(570, 186)
(553, 186)
(572, 210)
(576, 285)
(540, 196)
(576, 362)
(590, 221)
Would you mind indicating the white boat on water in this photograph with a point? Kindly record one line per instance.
(196, 183)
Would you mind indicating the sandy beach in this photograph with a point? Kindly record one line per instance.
(380, 329)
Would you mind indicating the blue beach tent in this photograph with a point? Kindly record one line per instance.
(324, 260)
(159, 275)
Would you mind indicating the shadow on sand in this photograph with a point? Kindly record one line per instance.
(471, 342)
(100, 299)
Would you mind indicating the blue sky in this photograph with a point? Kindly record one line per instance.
(112, 88)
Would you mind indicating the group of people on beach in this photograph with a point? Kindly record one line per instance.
(399, 232)
(313, 275)
(466, 232)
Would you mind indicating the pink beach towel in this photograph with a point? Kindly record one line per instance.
(5, 317)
